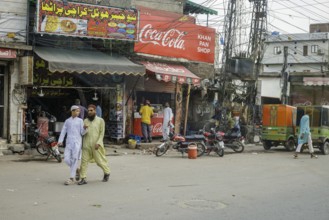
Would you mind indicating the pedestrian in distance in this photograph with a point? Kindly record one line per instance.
(146, 112)
(93, 146)
(305, 136)
(73, 128)
(65, 113)
(99, 111)
(167, 121)
(83, 110)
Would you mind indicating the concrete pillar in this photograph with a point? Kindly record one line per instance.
(16, 101)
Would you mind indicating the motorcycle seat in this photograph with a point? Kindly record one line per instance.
(194, 137)
(233, 135)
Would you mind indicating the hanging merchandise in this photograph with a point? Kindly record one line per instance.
(95, 98)
(116, 119)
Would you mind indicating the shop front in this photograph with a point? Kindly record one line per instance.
(169, 44)
(11, 95)
(61, 76)
(309, 91)
(6, 55)
(164, 83)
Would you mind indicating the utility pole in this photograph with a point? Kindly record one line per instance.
(229, 38)
(255, 47)
(284, 77)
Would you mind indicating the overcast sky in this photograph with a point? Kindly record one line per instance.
(284, 16)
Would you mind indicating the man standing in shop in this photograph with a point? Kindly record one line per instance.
(93, 146)
(167, 121)
(147, 113)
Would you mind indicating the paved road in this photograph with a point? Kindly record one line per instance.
(253, 185)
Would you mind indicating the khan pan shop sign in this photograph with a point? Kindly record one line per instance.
(163, 36)
(82, 20)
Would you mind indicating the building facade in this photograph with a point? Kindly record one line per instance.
(13, 46)
(52, 52)
(295, 67)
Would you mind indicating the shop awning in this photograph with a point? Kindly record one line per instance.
(87, 61)
(172, 72)
(194, 8)
(316, 81)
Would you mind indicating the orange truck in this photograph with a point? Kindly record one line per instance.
(279, 126)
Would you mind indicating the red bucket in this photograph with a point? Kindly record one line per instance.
(192, 151)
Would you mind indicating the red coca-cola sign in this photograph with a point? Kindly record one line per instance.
(163, 36)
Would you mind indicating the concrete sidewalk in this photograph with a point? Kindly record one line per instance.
(112, 149)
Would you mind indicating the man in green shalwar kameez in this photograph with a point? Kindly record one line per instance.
(93, 147)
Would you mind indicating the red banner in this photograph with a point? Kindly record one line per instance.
(172, 72)
(7, 53)
(82, 20)
(163, 36)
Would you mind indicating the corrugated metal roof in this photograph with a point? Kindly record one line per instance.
(194, 8)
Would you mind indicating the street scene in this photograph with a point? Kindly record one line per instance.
(255, 184)
(164, 109)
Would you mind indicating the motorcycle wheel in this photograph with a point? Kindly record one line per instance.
(238, 146)
(162, 149)
(220, 152)
(201, 148)
(56, 154)
(58, 158)
(42, 149)
(219, 149)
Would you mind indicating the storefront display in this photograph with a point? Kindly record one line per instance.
(57, 82)
(156, 121)
(116, 125)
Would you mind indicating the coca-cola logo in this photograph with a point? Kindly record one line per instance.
(157, 128)
(171, 38)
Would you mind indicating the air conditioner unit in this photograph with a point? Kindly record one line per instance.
(26, 70)
(320, 52)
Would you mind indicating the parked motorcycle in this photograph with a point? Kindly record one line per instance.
(214, 142)
(181, 144)
(234, 140)
(47, 146)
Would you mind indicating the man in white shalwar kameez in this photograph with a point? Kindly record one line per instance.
(167, 121)
(74, 129)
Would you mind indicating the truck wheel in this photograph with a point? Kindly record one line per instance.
(267, 145)
(325, 148)
(290, 145)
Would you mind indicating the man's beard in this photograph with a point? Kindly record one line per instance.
(91, 117)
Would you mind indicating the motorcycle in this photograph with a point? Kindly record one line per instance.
(233, 139)
(214, 142)
(47, 146)
(181, 144)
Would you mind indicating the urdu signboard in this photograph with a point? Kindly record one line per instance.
(83, 20)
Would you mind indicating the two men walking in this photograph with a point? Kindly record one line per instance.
(92, 129)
